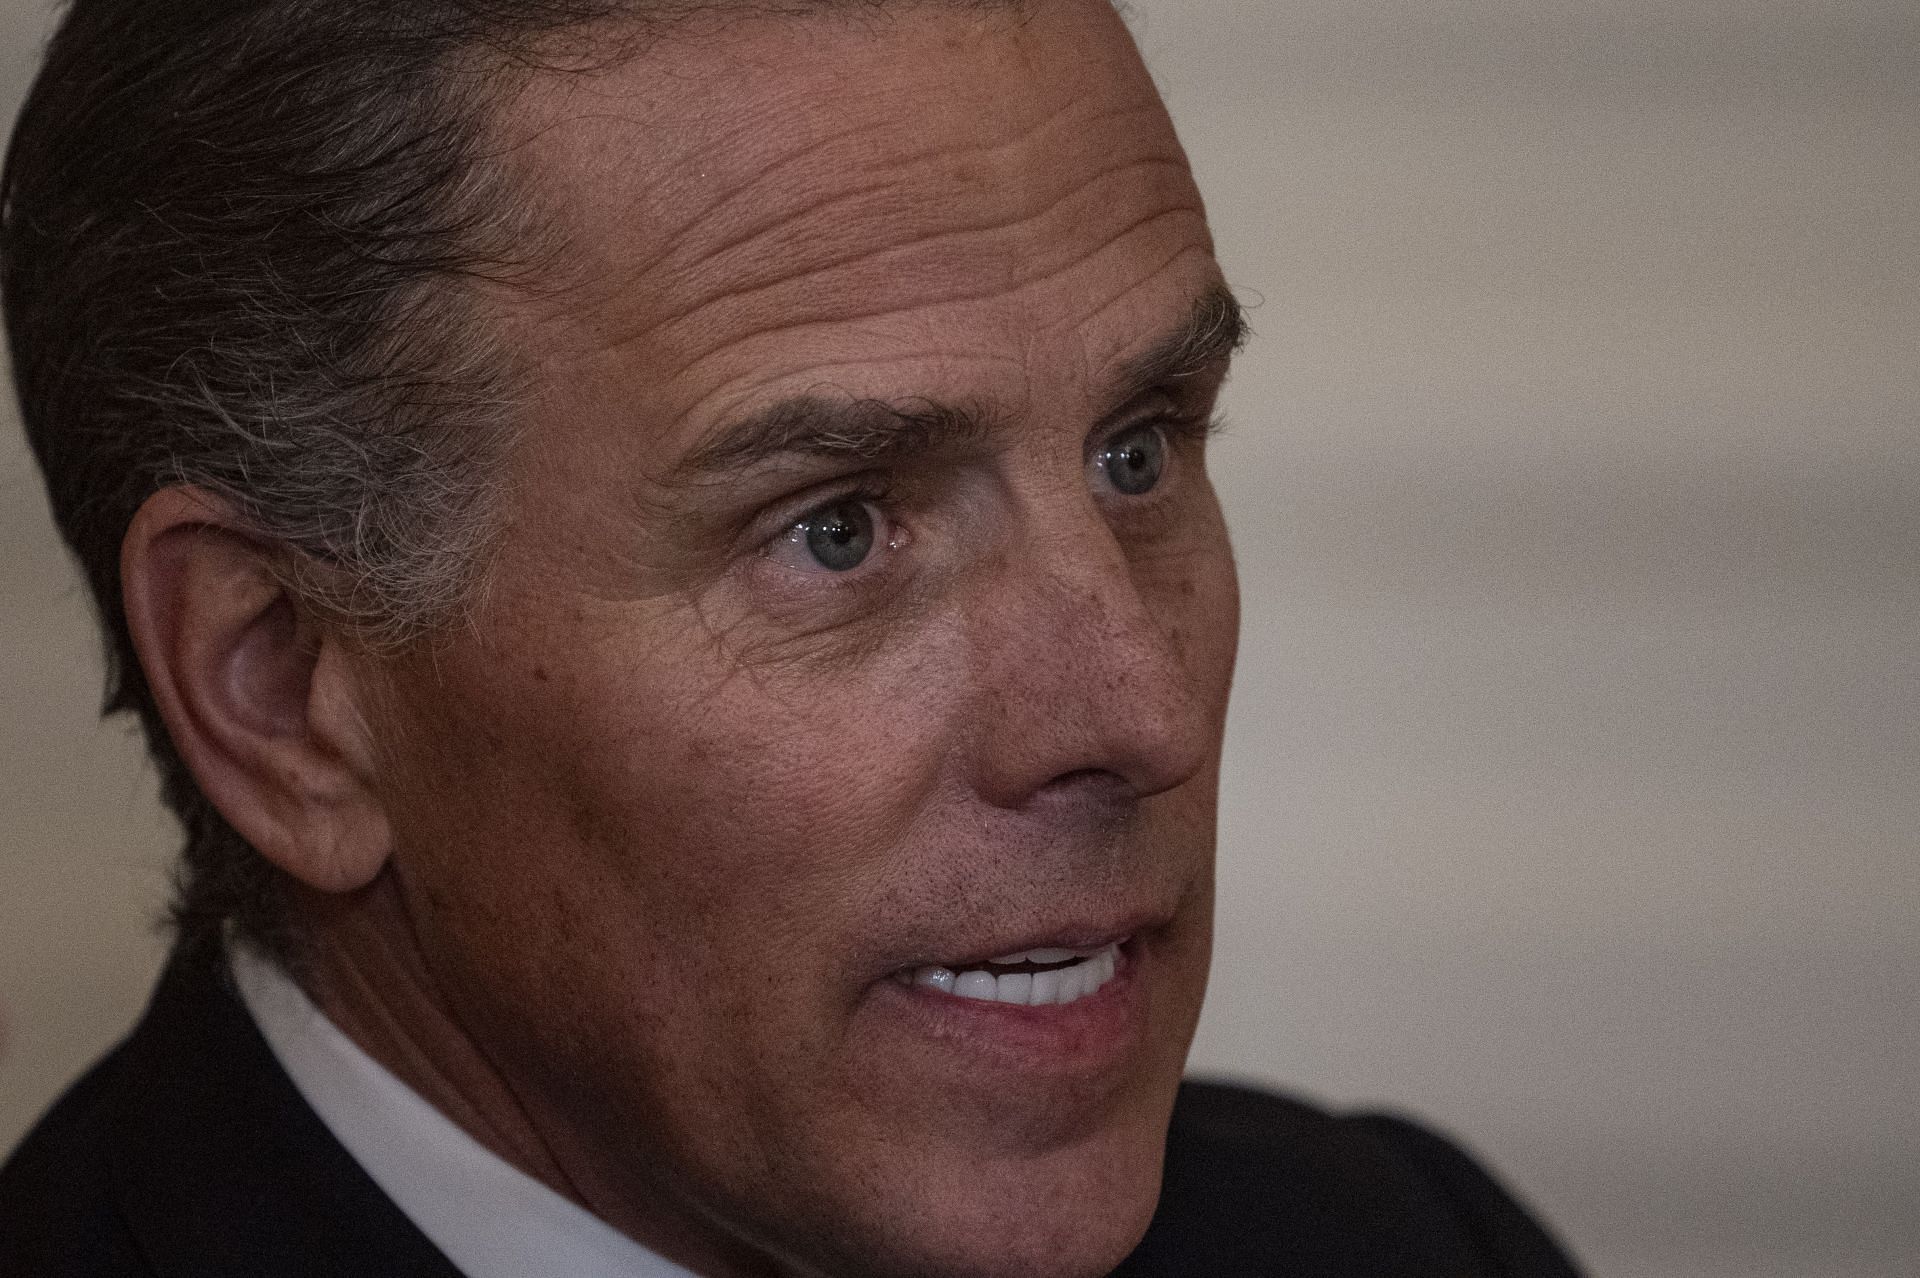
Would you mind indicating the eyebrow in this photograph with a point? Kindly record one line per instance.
(1215, 328)
(867, 430)
(877, 430)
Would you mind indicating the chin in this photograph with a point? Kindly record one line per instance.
(995, 1141)
(1073, 1212)
(1081, 1234)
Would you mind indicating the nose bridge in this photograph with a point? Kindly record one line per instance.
(1081, 672)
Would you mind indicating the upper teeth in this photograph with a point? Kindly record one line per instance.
(1063, 985)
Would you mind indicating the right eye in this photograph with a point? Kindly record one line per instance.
(838, 537)
(1134, 460)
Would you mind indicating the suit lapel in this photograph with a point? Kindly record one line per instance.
(221, 1170)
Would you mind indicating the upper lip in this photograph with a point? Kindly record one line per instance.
(1078, 936)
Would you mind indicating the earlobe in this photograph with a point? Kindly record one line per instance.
(258, 696)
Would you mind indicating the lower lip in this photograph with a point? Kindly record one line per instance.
(1085, 1036)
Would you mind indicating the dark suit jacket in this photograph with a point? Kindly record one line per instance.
(188, 1153)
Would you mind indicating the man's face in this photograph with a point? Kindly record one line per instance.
(863, 608)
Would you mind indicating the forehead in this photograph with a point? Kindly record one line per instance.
(772, 199)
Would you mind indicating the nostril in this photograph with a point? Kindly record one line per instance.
(1089, 777)
(1094, 786)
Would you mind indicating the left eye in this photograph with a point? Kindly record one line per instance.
(1134, 459)
(838, 537)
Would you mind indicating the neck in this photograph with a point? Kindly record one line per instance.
(364, 968)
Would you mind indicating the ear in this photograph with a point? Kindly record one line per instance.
(258, 696)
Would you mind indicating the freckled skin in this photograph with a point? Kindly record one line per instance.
(669, 812)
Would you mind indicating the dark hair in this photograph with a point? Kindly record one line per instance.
(237, 240)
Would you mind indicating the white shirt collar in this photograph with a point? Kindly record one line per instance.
(489, 1218)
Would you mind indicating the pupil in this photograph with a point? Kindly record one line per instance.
(1135, 461)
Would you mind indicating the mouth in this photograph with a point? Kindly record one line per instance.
(1044, 977)
(1070, 1003)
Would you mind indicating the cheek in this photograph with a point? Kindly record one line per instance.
(706, 819)
(1196, 598)
(634, 878)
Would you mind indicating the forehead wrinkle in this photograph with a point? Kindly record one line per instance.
(729, 337)
(907, 241)
(1083, 318)
(547, 132)
(654, 253)
(829, 192)
(752, 126)
(719, 212)
(949, 234)
(904, 200)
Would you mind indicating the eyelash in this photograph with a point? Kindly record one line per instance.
(1188, 428)
(875, 490)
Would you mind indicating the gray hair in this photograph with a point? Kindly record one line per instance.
(236, 241)
(241, 243)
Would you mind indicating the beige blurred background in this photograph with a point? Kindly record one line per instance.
(1574, 786)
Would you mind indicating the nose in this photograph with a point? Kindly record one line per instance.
(1097, 675)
